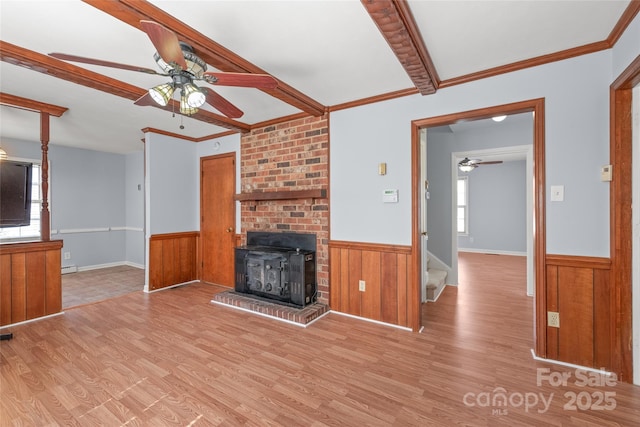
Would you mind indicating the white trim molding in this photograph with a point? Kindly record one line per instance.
(95, 230)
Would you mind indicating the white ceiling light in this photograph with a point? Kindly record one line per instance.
(162, 93)
(195, 97)
(498, 118)
(467, 167)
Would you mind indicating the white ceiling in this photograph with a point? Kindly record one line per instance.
(331, 51)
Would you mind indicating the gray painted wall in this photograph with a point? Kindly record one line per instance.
(173, 165)
(134, 208)
(576, 94)
(88, 204)
(441, 142)
(497, 209)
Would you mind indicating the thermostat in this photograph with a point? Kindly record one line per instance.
(390, 196)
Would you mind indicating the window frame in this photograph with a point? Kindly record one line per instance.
(34, 203)
(464, 179)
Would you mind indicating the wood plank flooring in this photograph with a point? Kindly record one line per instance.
(173, 358)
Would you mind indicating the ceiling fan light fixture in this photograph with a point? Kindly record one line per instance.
(161, 94)
(193, 95)
(185, 108)
(162, 64)
(195, 65)
(467, 167)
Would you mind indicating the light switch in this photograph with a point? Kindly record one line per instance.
(605, 173)
(557, 193)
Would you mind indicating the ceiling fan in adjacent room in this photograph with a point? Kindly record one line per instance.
(467, 164)
(178, 61)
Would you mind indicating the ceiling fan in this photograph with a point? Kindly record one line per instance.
(178, 61)
(467, 164)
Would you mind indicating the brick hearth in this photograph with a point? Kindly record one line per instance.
(300, 316)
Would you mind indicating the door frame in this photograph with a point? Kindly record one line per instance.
(621, 140)
(537, 106)
(495, 154)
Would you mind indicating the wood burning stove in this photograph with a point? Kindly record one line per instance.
(280, 267)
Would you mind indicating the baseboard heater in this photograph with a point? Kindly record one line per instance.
(69, 269)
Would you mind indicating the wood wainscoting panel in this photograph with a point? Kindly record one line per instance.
(370, 298)
(354, 268)
(30, 280)
(19, 287)
(173, 259)
(5, 289)
(389, 292)
(385, 270)
(578, 288)
(575, 305)
(552, 305)
(35, 285)
(602, 332)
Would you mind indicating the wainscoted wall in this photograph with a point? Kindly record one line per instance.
(30, 281)
(579, 289)
(386, 272)
(173, 259)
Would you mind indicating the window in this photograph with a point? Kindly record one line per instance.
(32, 231)
(463, 209)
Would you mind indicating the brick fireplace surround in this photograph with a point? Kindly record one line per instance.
(289, 156)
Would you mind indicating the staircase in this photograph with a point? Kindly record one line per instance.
(435, 283)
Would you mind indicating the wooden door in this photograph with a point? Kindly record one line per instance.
(217, 218)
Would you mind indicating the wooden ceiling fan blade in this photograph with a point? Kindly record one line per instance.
(494, 162)
(84, 60)
(221, 104)
(259, 81)
(166, 43)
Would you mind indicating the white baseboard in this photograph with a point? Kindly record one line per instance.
(570, 365)
(146, 290)
(492, 251)
(110, 264)
(32, 320)
(439, 293)
(133, 264)
(372, 321)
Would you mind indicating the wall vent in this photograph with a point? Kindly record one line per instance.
(69, 269)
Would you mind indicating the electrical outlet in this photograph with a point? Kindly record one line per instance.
(361, 285)
(553, 319)
(67, 255)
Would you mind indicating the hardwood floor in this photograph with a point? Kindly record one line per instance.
(86, 287)
(174, 358)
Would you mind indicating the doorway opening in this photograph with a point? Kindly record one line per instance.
(509, 223)
(536, 107)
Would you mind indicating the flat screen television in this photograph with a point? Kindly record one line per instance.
(15, 193)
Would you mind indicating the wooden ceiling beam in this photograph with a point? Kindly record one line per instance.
(214, 54)
(31, 105)
(397, 25)
(56, 68)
